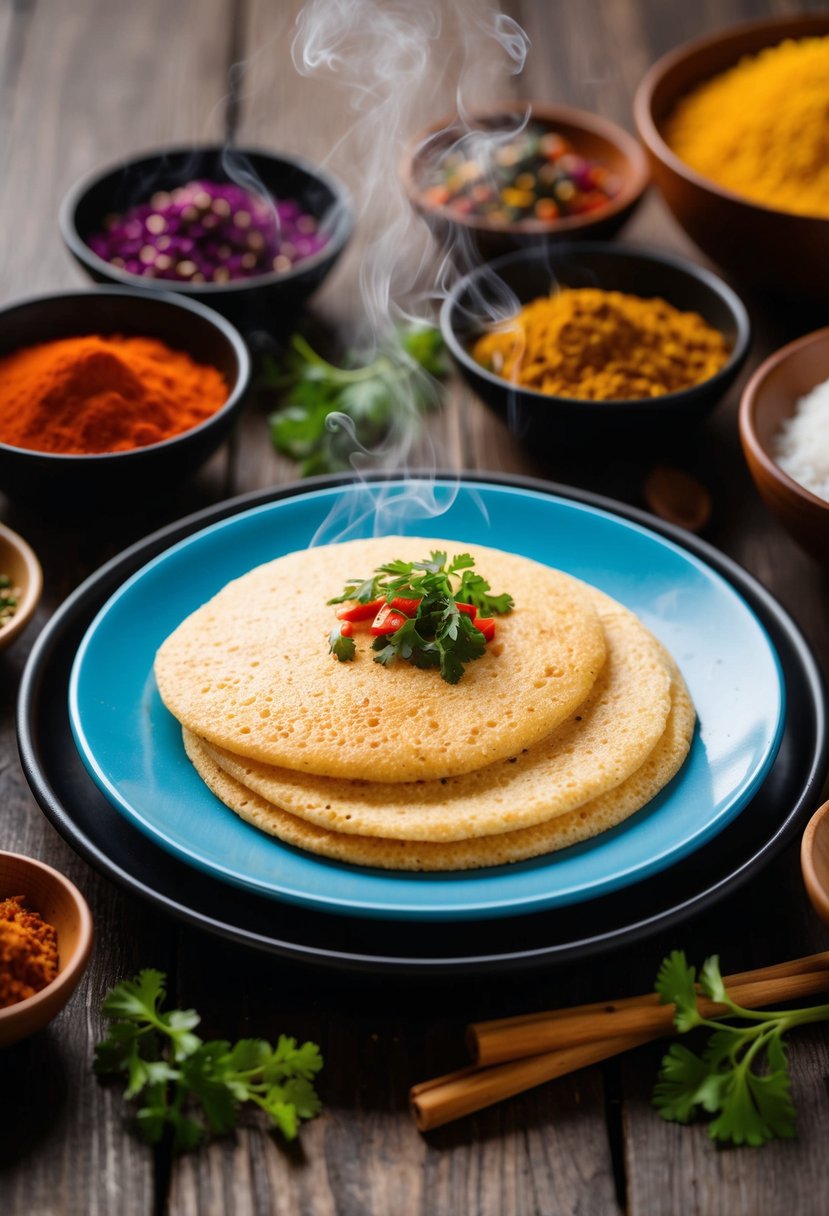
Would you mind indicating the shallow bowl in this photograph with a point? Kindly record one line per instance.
(770, 397)
(771, 249)
(267, 299)
(60, 903)
(523, 276)
(113, 477)
(814, 861)
(591, 136)
(18, 561)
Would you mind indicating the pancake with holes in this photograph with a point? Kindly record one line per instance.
(596, 816)
(611, 734)
(251, 672)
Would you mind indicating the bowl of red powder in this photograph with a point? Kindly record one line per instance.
(45, 940)
(250, 233)
(106, 392)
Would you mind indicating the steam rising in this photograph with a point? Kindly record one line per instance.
(399, 65)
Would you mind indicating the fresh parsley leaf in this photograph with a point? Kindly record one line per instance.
(328, 413)
(741, 1077)
(188, 1085)
(341, 647)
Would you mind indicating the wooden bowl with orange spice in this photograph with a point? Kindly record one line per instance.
(113, 393)
(45, 940)
(755, 238)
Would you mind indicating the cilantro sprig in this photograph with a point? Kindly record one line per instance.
(438, 634)
(327, 413)
(188, 1086)
(741, 1076)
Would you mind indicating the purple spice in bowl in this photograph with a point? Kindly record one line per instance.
(208, 232)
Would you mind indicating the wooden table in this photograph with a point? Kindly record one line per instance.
(81, 84)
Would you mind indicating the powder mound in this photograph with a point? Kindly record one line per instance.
(761, 128)
(28, 952)
(250, 670)
(93, 394)
(603, 346)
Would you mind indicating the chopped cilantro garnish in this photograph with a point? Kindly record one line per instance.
(437, 633)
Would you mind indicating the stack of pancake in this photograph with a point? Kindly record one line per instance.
(572, 720)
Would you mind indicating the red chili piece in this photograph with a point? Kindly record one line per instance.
(346, 629)
(360, 612)
(387, 621)
(469, 609)
(486, 624)
(410, 607)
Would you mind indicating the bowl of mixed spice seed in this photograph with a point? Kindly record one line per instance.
(21, 582)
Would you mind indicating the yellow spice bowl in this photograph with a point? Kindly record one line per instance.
(60, 903)
(771, 249)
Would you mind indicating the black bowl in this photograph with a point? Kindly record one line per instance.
(266, 300)
(529, 273)
(110, 478)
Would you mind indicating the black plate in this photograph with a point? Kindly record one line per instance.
(84, 818)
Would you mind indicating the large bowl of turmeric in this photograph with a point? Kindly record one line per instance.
(734, 125)
(112, 395)
(594, 344)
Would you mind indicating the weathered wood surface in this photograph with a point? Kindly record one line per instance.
(82, 83)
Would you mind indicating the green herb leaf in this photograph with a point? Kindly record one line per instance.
(341, 647)
(369, 398)
(675, 985)
(439, 635)
(741, 1076)
(185, 1082)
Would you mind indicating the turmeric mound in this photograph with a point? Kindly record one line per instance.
(603, 346)
(761, 129)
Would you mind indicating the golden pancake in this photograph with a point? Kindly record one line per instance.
(593, 817)
(607, 739)
(250, 670)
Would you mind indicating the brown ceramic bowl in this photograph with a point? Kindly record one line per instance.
(772, 249)
(591, 136)
(18, 561)
(61, 904)
(814, 861)
(769, 398)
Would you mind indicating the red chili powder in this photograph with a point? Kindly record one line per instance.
(94, 394)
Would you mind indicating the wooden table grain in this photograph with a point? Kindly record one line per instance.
(82, 83)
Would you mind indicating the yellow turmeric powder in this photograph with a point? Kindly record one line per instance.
(602, 346)
(761, 129)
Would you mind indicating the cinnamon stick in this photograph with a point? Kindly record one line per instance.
(443, 1099)
(504, 1039)
(549, 1045)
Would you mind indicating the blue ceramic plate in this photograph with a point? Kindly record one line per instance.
(132, 746)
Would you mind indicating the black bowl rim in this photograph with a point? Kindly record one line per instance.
(570, 251)
(208, 315)
(78, 246)
(651, 136)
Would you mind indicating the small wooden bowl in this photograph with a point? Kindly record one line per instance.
(774, 249)
(60, 903)
(19, 562)
(814, 861)
(591, 136)
(769, 398)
